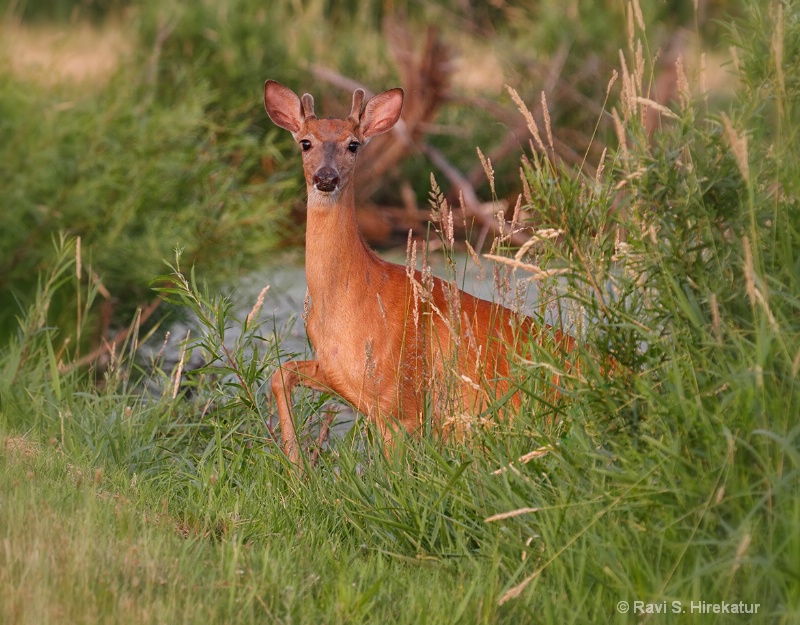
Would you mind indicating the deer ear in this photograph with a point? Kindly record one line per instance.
(283, 106)
(381, 112)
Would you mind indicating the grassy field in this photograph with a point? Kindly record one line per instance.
(138, 494)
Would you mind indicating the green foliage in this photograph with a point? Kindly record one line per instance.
(135, 173)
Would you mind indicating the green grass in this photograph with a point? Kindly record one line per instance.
(674, 479)
(80, 546)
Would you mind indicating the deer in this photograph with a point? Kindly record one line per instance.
(399, 345)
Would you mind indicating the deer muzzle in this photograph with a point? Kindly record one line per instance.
(326, 179)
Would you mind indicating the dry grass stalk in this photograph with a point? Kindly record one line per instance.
(78, 264)
(546, 114)
(620, 130)
(476, 259)
(628, 95)
(773, 323)
(538, 236)
(754, 294)
(741, 550)
(163, 347)
(411, 264)
(451, 240)
(487, 167)
(777, 47)
(524, 459)
(637, 12)
(532, 127)
(739, 147)
(176, 379)
(516, 213)
(469, 381)
(647, 102)
(517, 590)
(526, 187)
(684, 91)
(256, 310)
(704, 76)
(437, 201)
(534, 240)
(137, 322)
(536, 453)
(639, 67)
(601, 166)
(469, 332)
(716, 322)
(611, 81)
(509, 515)
(382, 308)
(539, 273)
(79, 307)
(631, 31)
(639, 64)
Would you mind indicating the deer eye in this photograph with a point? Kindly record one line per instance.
(305, 144)
(353, 147)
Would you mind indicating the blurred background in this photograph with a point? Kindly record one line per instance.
(139, 126)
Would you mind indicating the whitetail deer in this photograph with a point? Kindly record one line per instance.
(386, 337)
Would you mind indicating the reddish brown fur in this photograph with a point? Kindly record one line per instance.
(379, 345)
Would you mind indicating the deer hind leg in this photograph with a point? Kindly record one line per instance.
(289, 375)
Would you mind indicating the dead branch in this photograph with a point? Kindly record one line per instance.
(120, 337)
(338, 80)
(425, 78)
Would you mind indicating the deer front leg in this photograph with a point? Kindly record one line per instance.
(289, 375)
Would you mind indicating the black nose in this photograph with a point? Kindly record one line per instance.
(326, 179)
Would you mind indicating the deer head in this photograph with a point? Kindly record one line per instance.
(330, 146)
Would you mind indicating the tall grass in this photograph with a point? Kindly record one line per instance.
(669, 476)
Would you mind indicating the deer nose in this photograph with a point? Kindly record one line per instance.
(326, 179)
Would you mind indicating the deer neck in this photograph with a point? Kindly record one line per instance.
(337, 258)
